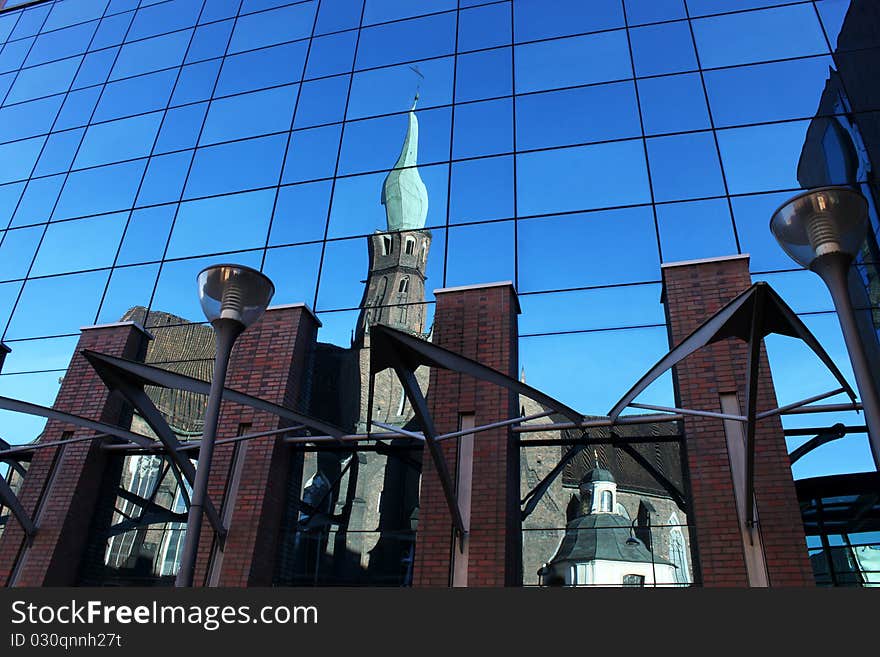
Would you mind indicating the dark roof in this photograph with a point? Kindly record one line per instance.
(597, 474)
(601, 536)
(629, 475)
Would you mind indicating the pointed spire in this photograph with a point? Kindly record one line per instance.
(522, 375)
(404, 195)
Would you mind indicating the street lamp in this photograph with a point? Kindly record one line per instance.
(233, 297)
(823, 230)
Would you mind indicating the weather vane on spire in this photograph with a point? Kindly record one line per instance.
(415, 69)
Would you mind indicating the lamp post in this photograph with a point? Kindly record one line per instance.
(823, 230)
(233, 297)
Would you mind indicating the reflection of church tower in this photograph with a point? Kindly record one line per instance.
(395, 286)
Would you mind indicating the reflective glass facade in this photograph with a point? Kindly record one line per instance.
(570, 147)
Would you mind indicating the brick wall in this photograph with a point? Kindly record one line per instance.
(480, 323)
(69, 498)
(692, 293)
(269, 361)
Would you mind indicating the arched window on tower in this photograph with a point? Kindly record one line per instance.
(403, 288)
(424, 250)
(410, 246)
(387, 245)
(607, 501)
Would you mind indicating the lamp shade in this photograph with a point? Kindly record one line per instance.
(234, 292)
(819, 222)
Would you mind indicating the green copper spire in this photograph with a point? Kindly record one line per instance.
(404, 195)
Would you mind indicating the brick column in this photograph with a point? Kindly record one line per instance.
(270, 361)
(62, 483)
(693, 291)
(479, 322)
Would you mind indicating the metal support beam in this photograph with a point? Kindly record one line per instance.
(19, 406)
(423, 416)
(782, 410)
(687, 411)
(832, 433)
(753, 364)
(136, 396)
(10, 500)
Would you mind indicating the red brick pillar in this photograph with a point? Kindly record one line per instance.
(479, 322)
(270, 361)
(62, 483)
(693, 291)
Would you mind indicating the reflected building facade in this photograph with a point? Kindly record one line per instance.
(572, 148)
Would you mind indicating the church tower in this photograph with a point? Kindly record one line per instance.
(394, 294)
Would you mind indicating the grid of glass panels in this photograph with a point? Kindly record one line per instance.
(569, 147)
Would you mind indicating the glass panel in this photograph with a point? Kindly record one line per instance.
(380, 11)
(59, 151)
(294, 269)
(568, 62)
(74, 11)
(95, 68)
(196, 82)
(17, 251)
(398, 85)
(43, 80)
(582, 178)
(118, 140)
(28, 119)
(649, 11)
(146, 234)
(665, 48)
(93, 191)
(538, 19)
(576, 116)
(481, 253)
(61, 43)
(592, 377)
(755, 36)
(312, 154)
(673, 103)
(209, 41)
(751, 167)
(335, 15)
(181, 127)
(331, 54)
(73, 298)
(584, 251)
(685, 166)
(135, 96)
(236, 166)
(268, 28)
(690, 231)
(102, 234)
(249, 115)
(38, 200)
(225, 223)
(164, 179)
(164, 17)
(322, 101)
(151, 54)
(767, 92)
(481, 190)
(580, 310)
(482, 129)
(17, 159)
(484, 74)
(129, 287)
(267, 67)
(111, 30)
(484, 27)
(301, 213)
(405, 41)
